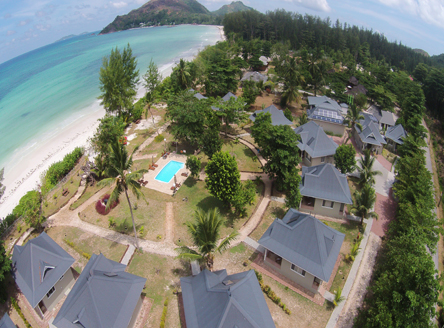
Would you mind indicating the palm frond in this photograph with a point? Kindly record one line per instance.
(114, 196)
(106, 182)
(227, 241)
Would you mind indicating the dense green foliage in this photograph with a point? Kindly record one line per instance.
(223, 177)
(58, 170)
(5, 269)
(118, 79)
(193, 164)
(205, 232)
(364, 202)
(232, 111)
(345, 158)
(29, 207)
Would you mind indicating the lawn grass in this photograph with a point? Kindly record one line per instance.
(246, 159)
(388, 155)
(199, 197)
(274, 210)
(162, 274)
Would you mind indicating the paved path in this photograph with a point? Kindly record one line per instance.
(149, 141)
(128, 255)
(385, 206)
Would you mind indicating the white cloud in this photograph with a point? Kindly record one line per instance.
(6, 16)
(118, 5)
(430, 11)
(318, 5)
(11, 32)
(42, 27)
(24, 22)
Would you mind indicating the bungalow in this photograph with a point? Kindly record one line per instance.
(216, 299)
(277, 116)
(315, 146)
(395, 136)
(197, 95)
(327, 113)
(225, 98)
(369, 137)
(6, 322)
(103, 296)
(264, 61)
(324, 191)
(42, 271)
(302, 248)
(385, 119)
(254, 76)
(354, 88)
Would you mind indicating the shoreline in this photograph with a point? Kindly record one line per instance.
(24, 174)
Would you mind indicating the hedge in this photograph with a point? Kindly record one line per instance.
(271, 295)
(164, 313)
(19, 311)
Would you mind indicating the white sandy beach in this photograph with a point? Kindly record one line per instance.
(24, 174)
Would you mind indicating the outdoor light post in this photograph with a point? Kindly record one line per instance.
(165, 147)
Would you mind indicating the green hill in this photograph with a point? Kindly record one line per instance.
(235, 6)
(162, 12)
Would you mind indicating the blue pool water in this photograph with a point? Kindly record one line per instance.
(169, 170)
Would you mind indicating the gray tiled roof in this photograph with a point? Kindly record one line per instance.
(104, 296)
(254, 76)
(325, 182)
(304, 241)
(197, 95)
(370, 131)
(396, 133)
(38, 266)
(382, 116)
(264, 60)
(324, 102)
(315, 141)
(228, 96)
(215, 299)
(277, 115)
(6, 322)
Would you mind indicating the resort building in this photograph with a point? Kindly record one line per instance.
(354, 88)
(103, 296)
(326, 113)
(385, 119)
(6, 322)
(369, 137)
(302, 248)
(198, 95)
(394, 136)
(315, 146)
(225, 98)
(255, 77)
(324, 191)
(216, 299)
(277, 115)
(42, 271)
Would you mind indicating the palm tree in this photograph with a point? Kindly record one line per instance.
(292, 81)
(365, 168)
(303, 119)
(183, 74)
(119, 172)
(352, 119)
(205, 233)
(364, 201)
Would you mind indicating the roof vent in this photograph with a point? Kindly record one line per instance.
(228, 282)
(110, 274)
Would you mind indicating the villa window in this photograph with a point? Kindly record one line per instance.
(308, 158)
(298, 270)
(51, 291)
(322, 159)
(327, 203)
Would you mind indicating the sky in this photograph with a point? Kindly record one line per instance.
(29, 24)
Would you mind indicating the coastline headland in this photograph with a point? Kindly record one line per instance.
(23, 170)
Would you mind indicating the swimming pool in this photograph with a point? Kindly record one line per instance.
(169, 170)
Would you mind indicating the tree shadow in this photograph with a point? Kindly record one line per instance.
(190, 182)
(278, 212)
(249, 153)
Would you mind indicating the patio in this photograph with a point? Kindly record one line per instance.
(166, 187)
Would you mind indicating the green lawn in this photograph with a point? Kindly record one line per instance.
(274, 210)
(246, 159)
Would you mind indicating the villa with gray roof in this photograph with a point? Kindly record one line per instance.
(394, 136)
(316, 147)
(254, 76)
(277, 115)
(369, 137)
(225, 98)
(198, 95)
(42, 271)
(302, 248)
(216, 299)
(6, 322)
(324, 191)
(103, 296)
(326, 113)
(385, 119)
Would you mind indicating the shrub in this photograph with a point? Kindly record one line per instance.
(101, 207)
(19, 311)
(271, 294)
(77, 249)
(159, 138)
(164, 313)
(111, 222)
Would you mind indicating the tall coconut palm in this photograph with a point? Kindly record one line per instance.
(183, 74)
(205, 233)
(292, 80)
(364, 201)
(352, 119)
(119, 172)
(365, 168)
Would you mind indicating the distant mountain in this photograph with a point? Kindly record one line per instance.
(162, 12)
(235, 6)
(422, 52)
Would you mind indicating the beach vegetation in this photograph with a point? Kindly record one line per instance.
(118, 80)
(194, 165)
(2, 187)
(121, 177)
(223, 177)
(30, 208)
(152, 79)
(58, 170)
(181, 77)
(205, 233)
(5, 269)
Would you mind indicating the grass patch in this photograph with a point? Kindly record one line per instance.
(246, 159)
(238, 249)
(87, 194)
(388, 155)
(274, 210)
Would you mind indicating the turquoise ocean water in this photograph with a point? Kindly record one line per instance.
(51, 86)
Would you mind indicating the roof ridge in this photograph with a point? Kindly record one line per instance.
(321, 244)
(336, 171)
(96, 310)
(235, 303)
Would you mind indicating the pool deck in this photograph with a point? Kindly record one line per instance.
(165, 187)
